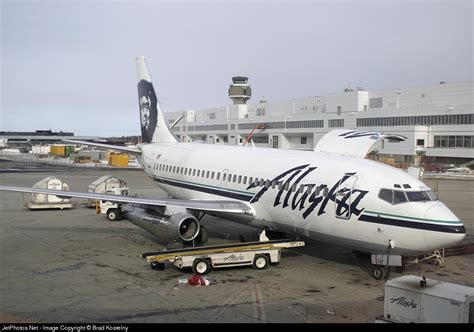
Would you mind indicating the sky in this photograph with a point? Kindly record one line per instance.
(70, 65)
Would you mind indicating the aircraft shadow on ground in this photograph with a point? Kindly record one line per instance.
(325, 252)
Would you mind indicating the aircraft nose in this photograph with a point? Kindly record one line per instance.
(442, 228)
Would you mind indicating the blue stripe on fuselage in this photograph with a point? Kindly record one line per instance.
(213, 191)
(410, 224)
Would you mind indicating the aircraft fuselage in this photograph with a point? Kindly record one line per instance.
(323, 196)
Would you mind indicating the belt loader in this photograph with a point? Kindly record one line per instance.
(203, 259)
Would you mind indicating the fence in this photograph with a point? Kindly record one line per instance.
(66, 162)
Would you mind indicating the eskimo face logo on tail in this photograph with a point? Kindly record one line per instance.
(313, 197)
(148, 111)
(145, 111)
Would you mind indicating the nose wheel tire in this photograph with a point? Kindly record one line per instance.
(380, 273)
(201, 266)
(260, 262)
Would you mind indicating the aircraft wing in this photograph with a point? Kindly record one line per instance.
(352, 142)
(107, 146)
(233, 207)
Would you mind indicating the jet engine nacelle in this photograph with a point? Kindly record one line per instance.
(182, 227)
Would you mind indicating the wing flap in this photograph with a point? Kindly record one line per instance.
(352, 142)
(107, 146)
(233, 207)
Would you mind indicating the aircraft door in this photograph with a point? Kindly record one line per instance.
(344, 196)
(224, 178)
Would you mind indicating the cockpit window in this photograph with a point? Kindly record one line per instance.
(399, 197)
(432, 195)
(418, 196)
(386, 195)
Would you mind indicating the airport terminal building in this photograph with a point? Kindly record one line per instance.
(438, 121)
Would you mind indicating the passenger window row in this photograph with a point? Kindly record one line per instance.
(240, 179)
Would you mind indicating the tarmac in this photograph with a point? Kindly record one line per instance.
(76, 266)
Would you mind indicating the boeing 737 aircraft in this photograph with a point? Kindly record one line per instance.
(331, 194)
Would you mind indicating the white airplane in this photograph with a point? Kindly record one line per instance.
(331, 194)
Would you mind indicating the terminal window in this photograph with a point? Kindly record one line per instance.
(426, 120)
(336, 123)
(454, 141)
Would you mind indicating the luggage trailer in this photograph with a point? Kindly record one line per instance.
(203, 259)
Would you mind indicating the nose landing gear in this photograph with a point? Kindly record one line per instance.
(383, 263)
(380, 272)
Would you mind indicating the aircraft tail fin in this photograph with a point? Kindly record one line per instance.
(152, 122)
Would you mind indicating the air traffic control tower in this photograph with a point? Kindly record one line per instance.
(239, 90)
(239, 93)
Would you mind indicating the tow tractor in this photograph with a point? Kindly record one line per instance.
(202, 259)
(112, 209)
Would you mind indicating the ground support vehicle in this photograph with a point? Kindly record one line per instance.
(111, 209)
(413, 299)
(203, 259)
(44, 201)
(102, 185)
